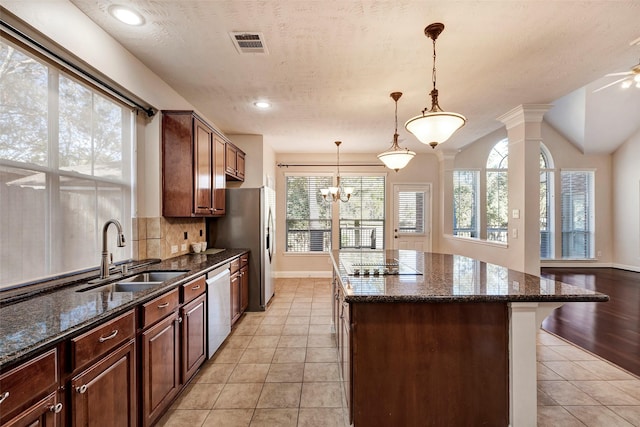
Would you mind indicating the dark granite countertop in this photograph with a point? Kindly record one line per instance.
(44, 319)
(434, 277)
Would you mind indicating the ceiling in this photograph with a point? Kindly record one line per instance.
(331, 65)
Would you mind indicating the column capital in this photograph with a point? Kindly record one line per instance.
(525, 113)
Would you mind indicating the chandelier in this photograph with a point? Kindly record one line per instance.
(434, 126)
(396, 158)
(337, 193)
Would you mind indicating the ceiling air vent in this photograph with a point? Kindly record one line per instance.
(246, 42)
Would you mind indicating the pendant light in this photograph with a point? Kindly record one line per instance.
(396, 158)
(434, 126)
(337, 193)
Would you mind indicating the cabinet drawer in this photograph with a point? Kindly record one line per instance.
(156, 309)
(244, 260)
(192, 289)
(27, 383)
(234, 266)
(93, 344)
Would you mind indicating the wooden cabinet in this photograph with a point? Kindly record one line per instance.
(103, 387)
(160, 355)
(28, 392)
(105, 394)
(43, 414)
(193, 174)
(244, 289)
(219, 201)
(160, 367)
(235, 298)
(193, 328)
(234, 163)
(239, 270)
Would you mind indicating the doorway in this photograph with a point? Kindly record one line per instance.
(412, 217)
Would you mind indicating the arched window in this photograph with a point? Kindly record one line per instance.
(546, 203)
(497, 194)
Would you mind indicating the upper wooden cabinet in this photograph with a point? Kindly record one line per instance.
(234, 163)
(193, 166)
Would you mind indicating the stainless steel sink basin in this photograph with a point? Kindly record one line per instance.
(137, 283)
(152, 276)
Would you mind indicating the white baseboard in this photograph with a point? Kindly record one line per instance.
(295, 274)
(627, 267)
(575, 264)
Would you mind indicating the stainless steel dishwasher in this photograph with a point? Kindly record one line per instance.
(218, 308)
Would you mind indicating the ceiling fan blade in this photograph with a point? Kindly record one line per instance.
(610, 84)
(624, 73)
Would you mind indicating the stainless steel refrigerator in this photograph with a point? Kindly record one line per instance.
(250, 223)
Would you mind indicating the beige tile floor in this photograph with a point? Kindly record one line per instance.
(279, 368)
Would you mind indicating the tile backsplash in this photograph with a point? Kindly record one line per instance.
(154, 237)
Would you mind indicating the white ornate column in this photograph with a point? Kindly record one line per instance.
(524, 321)
(524, 131)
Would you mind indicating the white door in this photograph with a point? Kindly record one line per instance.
(412, 217)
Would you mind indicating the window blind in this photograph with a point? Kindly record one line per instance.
(362, 219)
(465, 203)
(308, 215)
(577, 214)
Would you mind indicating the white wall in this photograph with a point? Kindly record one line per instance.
(626, 205)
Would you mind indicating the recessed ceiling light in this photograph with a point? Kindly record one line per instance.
(263, 105)
(126, 15)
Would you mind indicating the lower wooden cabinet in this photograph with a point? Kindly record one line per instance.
(43, 414)
(105, 394)
(235, 298)
(23, 388)
(194, 336)
(244, 288)
(160, 367)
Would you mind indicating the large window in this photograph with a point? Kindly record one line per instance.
(497, 192)
(546, 204)
(465, 203)
(577, 214)
(362, 218)
(308, 215)
(65, 168)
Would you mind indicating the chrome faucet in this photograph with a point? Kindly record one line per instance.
(104, 261)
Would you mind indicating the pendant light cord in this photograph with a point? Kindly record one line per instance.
(433, 73)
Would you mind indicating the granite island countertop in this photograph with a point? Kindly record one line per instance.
(433, 277)
(47, 318)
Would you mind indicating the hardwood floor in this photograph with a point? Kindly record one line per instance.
(611, 329)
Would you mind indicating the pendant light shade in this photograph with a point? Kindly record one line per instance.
(396, 158)
(434, 126)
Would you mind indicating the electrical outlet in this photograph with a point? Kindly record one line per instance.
(183, 247)
(514, 233)
(174, 249)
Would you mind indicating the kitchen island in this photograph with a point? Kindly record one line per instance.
(427, 339)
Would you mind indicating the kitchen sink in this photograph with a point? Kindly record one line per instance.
(137, 283)
(153, 276)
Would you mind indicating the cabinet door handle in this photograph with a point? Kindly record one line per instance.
(165, 305)
(82, 389)
(4, 396)
(56, 409)
(195, 288)
(179, 319)
(108, 337)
